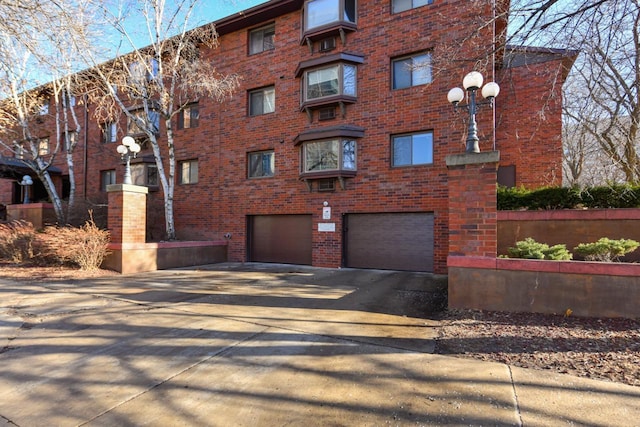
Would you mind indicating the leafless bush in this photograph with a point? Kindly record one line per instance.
(88, 210)
(17, 241)
(84, 246)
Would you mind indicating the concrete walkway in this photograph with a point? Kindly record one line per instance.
(264, 345)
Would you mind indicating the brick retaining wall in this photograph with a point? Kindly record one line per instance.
(588, 289)
(569, 227)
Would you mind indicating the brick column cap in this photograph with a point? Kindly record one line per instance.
(472, 158)
(128, 188)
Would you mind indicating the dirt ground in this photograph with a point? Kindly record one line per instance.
(606, 349)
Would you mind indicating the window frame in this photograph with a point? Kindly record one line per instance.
(192, 112)
(340, 66)
(103, 182)
(412, 162)
(141, 73)
(261, 91)
(341, 19)
(413, 5)
(340, 144)
(43, 146)
(402, 60)
(271, 161)
(264, 33)
(19, 151)
(192, 172)
(43, 110)
(109, 132)
(149, 174)
(132, 127)
(70, 138)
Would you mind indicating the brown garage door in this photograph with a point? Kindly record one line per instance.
(389, 241)
(280, 238)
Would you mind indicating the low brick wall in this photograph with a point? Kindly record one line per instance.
(38, 214)
(127, 258)
(570, 227)
(588, 289)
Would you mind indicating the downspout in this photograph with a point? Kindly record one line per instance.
(493, 70)
(86, 147)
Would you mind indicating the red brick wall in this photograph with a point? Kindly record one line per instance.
(223, 197)
(529, 123)
(472, 207)
(127, 214)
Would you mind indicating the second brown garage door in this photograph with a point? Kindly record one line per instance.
(389, 241)
(280, 238)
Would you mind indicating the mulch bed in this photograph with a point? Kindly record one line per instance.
(606, 349)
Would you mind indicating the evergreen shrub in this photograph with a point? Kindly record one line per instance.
(548, 198)
(606, 250)
(530, 249)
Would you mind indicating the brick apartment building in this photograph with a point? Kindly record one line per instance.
(332, 152)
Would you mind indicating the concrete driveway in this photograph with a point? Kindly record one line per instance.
(263, 345)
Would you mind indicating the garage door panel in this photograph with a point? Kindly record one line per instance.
(280, 238)
(394, 241)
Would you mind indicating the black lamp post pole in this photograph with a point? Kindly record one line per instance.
(472, 134)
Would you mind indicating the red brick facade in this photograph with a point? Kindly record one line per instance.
(224, 198)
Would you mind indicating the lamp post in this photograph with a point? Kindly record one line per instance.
(26, 183)
(471, 83)
(128, 149)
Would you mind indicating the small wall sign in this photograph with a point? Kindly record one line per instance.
(327, 226)
(326, 212)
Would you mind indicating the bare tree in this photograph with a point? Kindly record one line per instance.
(602, 97)
(40, 42)
(159, 80)
(608, 110)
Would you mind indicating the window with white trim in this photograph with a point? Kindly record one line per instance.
(412, 70)
(412, 149)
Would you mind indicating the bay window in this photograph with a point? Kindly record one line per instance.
(337, 79)
(329, 80)
(321, 13)
(329, 155)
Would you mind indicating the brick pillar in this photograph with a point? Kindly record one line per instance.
(327, 239)
(472, 204)
(127, 219)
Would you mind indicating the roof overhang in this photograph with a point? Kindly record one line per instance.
(12, 168)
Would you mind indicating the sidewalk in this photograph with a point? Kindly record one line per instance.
(265, 345)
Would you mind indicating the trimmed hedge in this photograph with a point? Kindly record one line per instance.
(615, 196)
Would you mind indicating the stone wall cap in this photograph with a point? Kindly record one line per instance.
(127, 188)
(473, 158)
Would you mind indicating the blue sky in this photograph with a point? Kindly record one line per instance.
(212, 10)
(205, 11)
